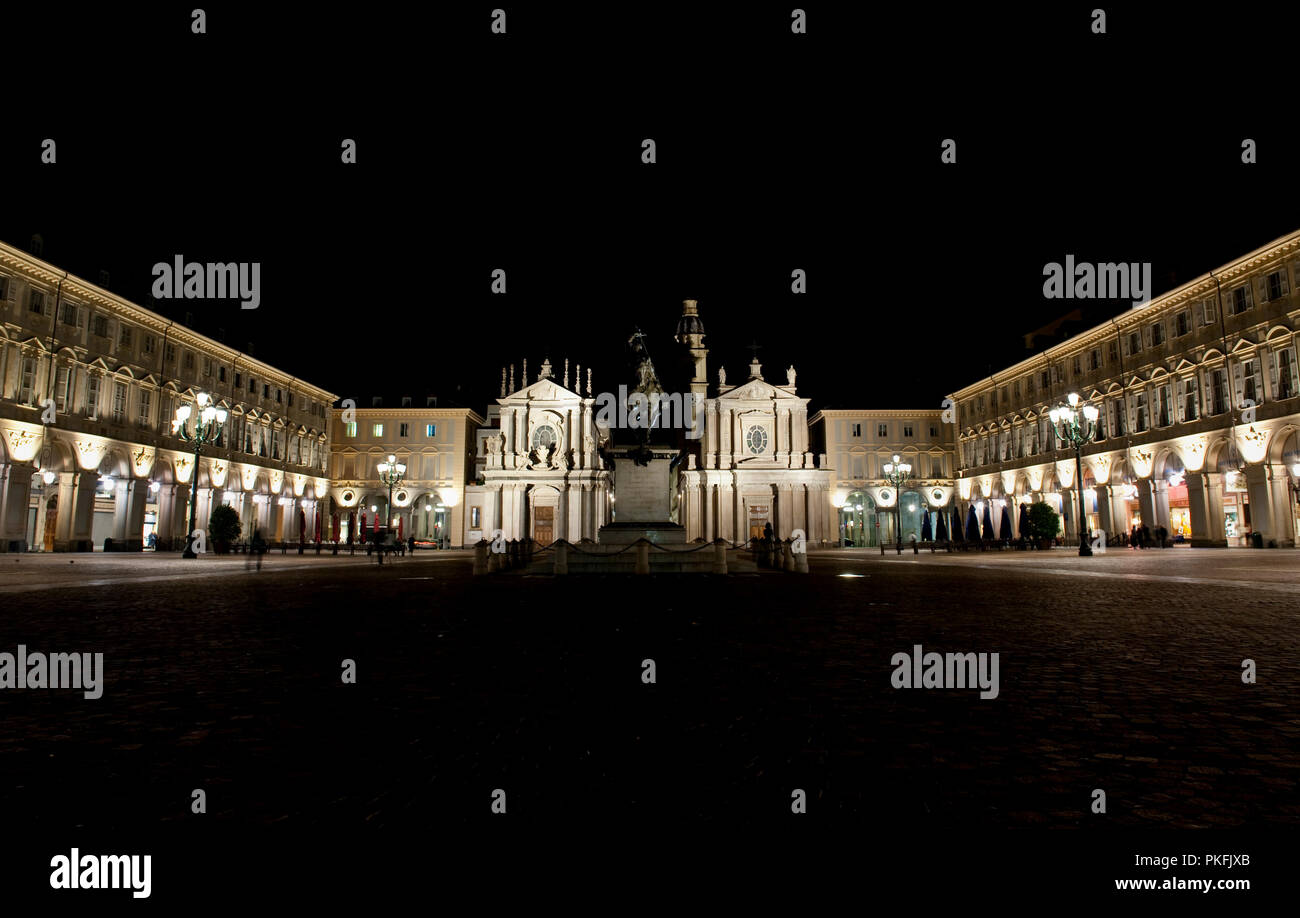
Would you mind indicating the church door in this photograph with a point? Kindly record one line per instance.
(51, 522)
(543, 525)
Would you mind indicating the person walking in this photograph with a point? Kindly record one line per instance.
(1146, 536)
(258, 548)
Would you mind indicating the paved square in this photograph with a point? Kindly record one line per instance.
(1120, 672)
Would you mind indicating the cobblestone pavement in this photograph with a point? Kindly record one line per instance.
(1120, 672)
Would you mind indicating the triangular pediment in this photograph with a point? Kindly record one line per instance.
(756, 390)
(544, 390)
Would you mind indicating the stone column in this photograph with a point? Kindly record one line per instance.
(1205, 505)
(136, 500)
(724, 445)
(1279, 487)
(118, 533)
(75, 527)
(1105, 519)
(1264, 508)
(706, 509)
(15, 497)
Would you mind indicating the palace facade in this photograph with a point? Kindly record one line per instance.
(89, 384)
(868, 508)
(437, 447)
(1199, 398)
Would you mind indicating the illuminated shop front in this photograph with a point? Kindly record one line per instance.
(1180, 514)
(859, 525)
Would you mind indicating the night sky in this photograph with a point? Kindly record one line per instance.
(775, 152)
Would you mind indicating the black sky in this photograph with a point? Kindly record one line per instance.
(775, 152)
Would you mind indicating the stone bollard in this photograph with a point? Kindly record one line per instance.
(801, 562)
(787, 563)
(494, 561)
(719, 556)
(643, 557)
(882, 549)
(561, 557)
(480, 557)
(512, 557)
(336, 549)
(318, 549)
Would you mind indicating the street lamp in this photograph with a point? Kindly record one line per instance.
(391, 473)
(896, 473)
(206, 428)
(1075, 425)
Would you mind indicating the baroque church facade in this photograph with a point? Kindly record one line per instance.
(544, 473)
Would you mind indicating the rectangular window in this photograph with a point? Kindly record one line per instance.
(146, 399)
(1218, 391)
(1142, 422)
(1015, 391)
(882, 431)
(907, 430)
(1288, 379)
(377, 430)
(475, 518)
(934, 431)
(1043, 381)
(403, 430)
(252, 384)
(1240, 298)
(28, 382)
(1208, 314)
(99, 326)
(1078, 365)
(207, 366)
(266, 390)
(238, 380)
(4, 287)
(150, 342)
(1119, 411)
(350, 428)
(1189, 401)
(1100, 432)
(169, 352)
(1277, 285)
(1094, 359)
(1157, 334)
(1181, 325)
(1112, 353)
(188, 362)
(279, 396)
(1164, 405)
(92, 396)
(124, 336)
(1134, 343)
(119, 402)
(1253, 388)
(63, 388)
(36, 302)
(68, 314)
(431, 430)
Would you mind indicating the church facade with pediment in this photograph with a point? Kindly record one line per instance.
(543, 477)
(753, 466)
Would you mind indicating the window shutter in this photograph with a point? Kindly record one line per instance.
(1272, 374)
(1238, 388)
(13, 287)
(1249, 301)
(1178, 401)
(1263, 289)
(1282, 276)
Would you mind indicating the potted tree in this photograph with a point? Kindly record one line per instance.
(1044, 522)
(223, 528)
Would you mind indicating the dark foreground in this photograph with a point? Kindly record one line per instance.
(1124, 677)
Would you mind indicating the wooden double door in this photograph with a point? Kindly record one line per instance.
(544, 525)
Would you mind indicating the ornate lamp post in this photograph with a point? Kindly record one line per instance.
(205, 429)
(391, 473)
(1075, 425)
(896, 473)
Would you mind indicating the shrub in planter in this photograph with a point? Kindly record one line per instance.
(223, 528)
(1044, 523)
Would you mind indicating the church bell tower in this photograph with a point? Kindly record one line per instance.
(690, 332)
